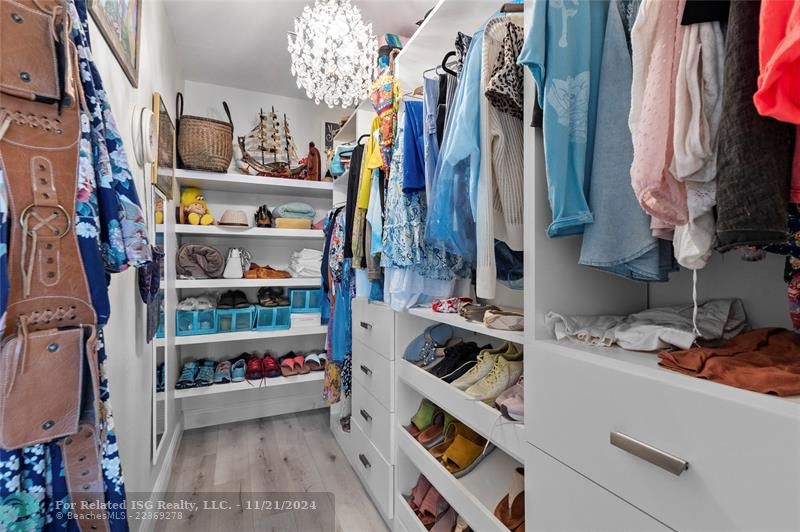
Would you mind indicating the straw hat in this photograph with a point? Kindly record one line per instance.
(234, 217)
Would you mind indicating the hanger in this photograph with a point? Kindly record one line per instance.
(362, 137)
(445, 66)
(509, 7)
(392, 56)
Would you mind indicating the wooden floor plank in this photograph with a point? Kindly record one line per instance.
(293, 453)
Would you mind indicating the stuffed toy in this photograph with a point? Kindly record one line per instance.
(159, 211)
(194, 208)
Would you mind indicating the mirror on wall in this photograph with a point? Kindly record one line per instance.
(161, 367)
(163, 166)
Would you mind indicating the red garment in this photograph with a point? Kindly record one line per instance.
(794, 192)
(778, 93)
(762, 360)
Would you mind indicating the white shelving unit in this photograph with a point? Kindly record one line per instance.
(222, 403)
(245, 335)
(406, 515)
(246, 184)
(210, 284)
(455, 320)
(485, 420)
(473, 496)
(254, 386)
(245, 232)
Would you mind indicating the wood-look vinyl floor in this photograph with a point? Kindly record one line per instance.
(289, 453)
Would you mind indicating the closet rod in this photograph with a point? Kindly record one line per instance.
(512, 8)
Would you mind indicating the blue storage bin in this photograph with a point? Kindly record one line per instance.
(273, 318)
(160, 330)
(191, 322)
(304, 300)
(235, 320)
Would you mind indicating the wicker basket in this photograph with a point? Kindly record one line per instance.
(204, 143)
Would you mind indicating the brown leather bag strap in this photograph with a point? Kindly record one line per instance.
(83, 469)
(39, 155)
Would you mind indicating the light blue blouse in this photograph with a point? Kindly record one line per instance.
(563, 50)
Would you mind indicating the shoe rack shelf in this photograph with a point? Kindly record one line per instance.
(244, 232)
(473, 496)
(262, 384)
(247, 184)
(403, 513)
(245, 335)
(455, 320)
(508, 435)
(209, 284)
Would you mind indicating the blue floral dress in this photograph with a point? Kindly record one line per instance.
(112, 237)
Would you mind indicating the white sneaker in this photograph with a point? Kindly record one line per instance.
(502, 376)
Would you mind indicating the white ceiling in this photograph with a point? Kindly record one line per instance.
(242, 43)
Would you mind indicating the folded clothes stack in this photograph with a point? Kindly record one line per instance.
(294, 215)
(306, 263)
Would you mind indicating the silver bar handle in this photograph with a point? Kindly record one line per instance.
(366, 325)
(366, 370)
(657, 457)
(364, 461)
(366, 415)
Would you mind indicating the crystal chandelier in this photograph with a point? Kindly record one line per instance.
(333, 53)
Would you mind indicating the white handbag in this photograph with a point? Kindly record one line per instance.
(237, 263)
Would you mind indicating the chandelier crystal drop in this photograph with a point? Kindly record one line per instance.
(333, 53)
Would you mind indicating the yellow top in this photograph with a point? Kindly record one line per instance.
(372, 159)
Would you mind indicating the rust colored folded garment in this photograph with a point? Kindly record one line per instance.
(761, 360)
(293, 223)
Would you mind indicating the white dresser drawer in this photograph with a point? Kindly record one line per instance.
(743, 449)
(557, 498)
(376, 422)
(374, 471)
(375, 373)
(373, 325)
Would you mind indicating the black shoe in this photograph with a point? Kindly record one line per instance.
(454, 357)
(465, 363)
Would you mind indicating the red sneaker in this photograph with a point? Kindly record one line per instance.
(255, 369)
(270, 366)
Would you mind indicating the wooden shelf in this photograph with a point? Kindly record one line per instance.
(247, 184)
(245, 232)
(247, 283)
(473, 496)
(245, 335)
(508, 435)
(454, 320)
(216, 389)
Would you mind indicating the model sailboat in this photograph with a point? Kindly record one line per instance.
(269, 149)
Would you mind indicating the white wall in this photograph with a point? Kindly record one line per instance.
(305, 118)
(130, 360)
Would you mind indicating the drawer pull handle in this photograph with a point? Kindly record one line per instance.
(364, 461)
(366, 415)
(646, 452)
(366, 370)
(366, 325)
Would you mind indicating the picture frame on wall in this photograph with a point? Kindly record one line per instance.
(163, 166)
(120, 23)
(329, 131)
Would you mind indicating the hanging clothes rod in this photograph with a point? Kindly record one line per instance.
(510, 7)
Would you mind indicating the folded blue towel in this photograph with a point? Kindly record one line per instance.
(295, 209)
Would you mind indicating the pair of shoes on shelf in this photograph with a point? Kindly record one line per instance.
(511, 403)
(456, 446)
(233, 299)
(449, 305)
(202, 302)
(265, 272)
(272, 297)
(261, 367)
(424, 349)
(457, 360)
(431, 509)
(196, 374)
(495, 371)
(297, 364)
(511, 508)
